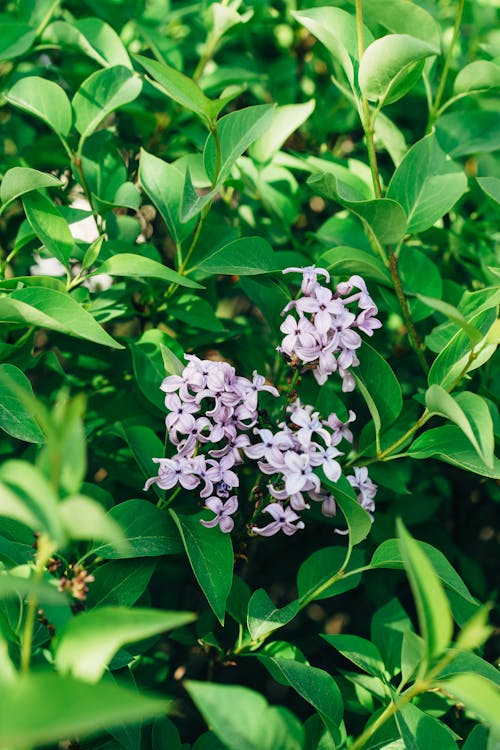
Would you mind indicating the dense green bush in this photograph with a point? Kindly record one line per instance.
(161, 166)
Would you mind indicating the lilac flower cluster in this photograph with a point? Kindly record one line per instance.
(323, 335)
(291, 456)
(209, 403)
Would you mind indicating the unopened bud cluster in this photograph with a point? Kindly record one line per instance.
(213, 418)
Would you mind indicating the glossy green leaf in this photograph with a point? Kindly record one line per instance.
(479, 695)
(84, 518)
(449, 444)
(469, 412)
(20, 180)
(102, 93)
(285, 121)
(88, 642)
(388, 625)
(361, 652)
(420, 731)
(433, 609)
(164, 184)
(148, 531)
(383, 217)
(314, 685)
(455, 360)
(251, 724)
(477, 739)
(49, 226)
(93, 37)
(461, 136)
(130, 264)
(164, 734)
(15, 38)
(336, 29)
(388, 555)
(413, 266)
(427, 184)
(195, 312)
(350, 260)
(403, 17)
(120, 582)
(490, 186)
(480, 75)
(453, 314)
(27, 496)
(210, 554)
(178, 86)
(38, 698)
(16, 418)
(390, 66)
(314, 579)
(246, 256)
(264, 617)
(43, 99)
(54, 310)
(379, 387)
(144, 445)
(236, 132)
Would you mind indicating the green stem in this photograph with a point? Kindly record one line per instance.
(434, 111)
(45, 20)
(44, 551)
(390, 710)
(412, 333)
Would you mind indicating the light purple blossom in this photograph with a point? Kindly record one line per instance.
(285, 520)
(223, 512)
(365, 487)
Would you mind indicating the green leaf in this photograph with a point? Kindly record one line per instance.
(27, 496)
(16, 418)
(314, 580)
(469, 412)
(456, 359)
(285, 120)
(89, 641)
(251, 724)
(130, 264)
(84, 518)
(102, 93)
(490, 186)
(148, 531)
(246, 256)
(144, 445)
(382, 217)
(478, 694)
(15, 38)
(315, 685)
(388, 555)
(361, 652)
(120, 582)
(388, 626)
(210, 554)
(264, 617)
(165, 735)
(391, 66)
(420, 731)
(38, 697)
(43, 99)
(179, 87)
(236, 132)
(414, 266)
(427, 184)
(454, 314)
(336, 29)
(49, 226)
(92, 36)
(379, 387)
(480, 75)
(20, 180)
(433, 609)
(195, 312)
(403, 17)
(54, 310)
(349, 260)
(164, 184)
(460, 136)
(477, 739)
(449, 444)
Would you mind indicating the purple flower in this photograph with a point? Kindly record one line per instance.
(365, 487)
(223, 512)
(309, 277)
(172, 471)
(284, 520)
(340, 429)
